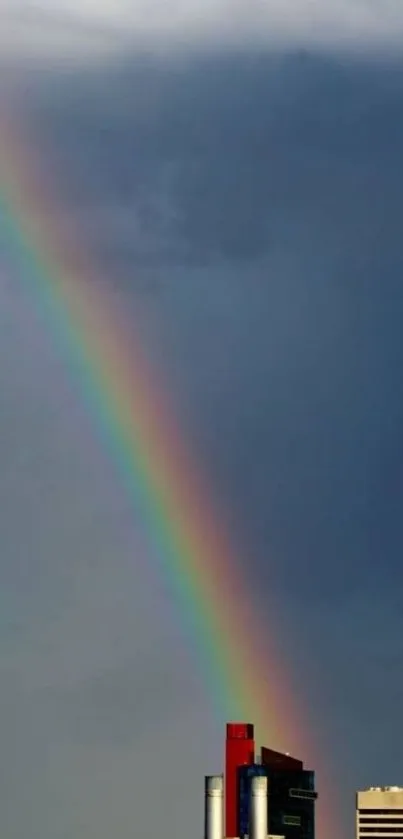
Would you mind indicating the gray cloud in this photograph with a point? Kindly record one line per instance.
(85, 30)
(251, 204)
(97, 683)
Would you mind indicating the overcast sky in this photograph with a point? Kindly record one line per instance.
(251, 201)
(91, 29)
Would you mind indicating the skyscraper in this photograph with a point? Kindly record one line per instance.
(379, 813)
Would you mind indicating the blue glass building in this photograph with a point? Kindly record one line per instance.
(291, 796)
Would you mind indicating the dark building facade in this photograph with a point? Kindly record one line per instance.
(291, 795)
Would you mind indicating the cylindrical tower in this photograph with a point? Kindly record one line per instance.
(258, 813)
(214, 807)
(239, 751)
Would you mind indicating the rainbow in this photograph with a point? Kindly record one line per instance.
(243, 671)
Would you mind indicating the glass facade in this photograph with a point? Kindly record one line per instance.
(291, 800)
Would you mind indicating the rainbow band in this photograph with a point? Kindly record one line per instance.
(129, 407)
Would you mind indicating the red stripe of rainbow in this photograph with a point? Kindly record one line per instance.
(243, 675)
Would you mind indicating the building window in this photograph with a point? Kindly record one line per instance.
(375, 820)
(292, 820)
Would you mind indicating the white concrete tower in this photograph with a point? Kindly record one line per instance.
(214, 807)
(258, 814)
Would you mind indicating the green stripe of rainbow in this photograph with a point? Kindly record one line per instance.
(243, 677)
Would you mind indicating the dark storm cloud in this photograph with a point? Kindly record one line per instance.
(258, 199)
(282, 176)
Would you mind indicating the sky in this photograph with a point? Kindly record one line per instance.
(94, 29)
(246, 196)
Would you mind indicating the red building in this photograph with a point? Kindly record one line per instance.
(239, 751)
